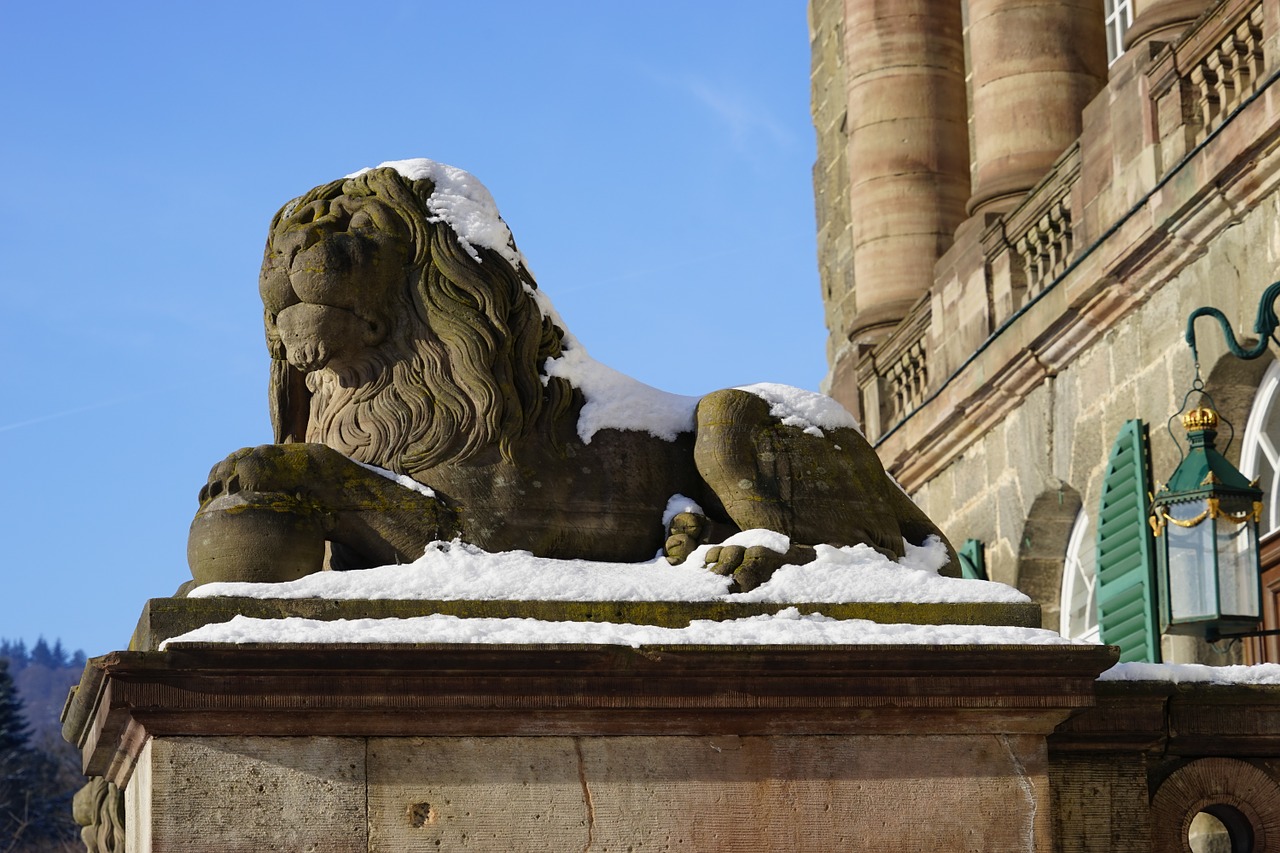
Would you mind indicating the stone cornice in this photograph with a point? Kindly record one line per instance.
(481, 690)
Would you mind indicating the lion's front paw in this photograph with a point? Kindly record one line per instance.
(296, 470)
(269, 468)
(684, 535)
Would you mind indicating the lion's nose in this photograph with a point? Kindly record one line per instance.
(311, 226)
(309, 213)
(294, 240)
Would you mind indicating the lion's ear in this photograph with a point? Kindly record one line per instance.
(290, 402)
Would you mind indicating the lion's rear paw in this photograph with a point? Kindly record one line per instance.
(751, 566)
(724, 559)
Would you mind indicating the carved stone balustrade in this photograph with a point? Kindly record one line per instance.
(1211, 71)
(1045, 248)
(895, 380)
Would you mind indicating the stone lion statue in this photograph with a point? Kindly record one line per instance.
(423, 388)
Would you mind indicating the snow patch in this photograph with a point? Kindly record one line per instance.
(616, 401)
(771, 539)
(804, 410)
(459, 571)
(1193, 673)
(786, 627)
(860, 573)
(402, 479)
(463, 203)
(676, 505)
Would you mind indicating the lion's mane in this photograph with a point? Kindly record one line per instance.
(461, 369)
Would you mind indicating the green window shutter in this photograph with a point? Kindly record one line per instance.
(1126, 552)
(973, 560)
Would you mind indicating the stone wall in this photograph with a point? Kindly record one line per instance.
(532, 748)
(830, 173)
(1059, 315)
(524, 747)
(1059, 436)
(506, 794)
(1055, 442)
(1140, 770)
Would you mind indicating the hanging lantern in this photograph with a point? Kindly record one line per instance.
(1206, 525)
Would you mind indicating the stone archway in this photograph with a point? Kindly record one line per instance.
(1233, 384)
(1043, 549)
(1245, 798)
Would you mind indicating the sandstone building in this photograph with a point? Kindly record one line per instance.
(1019, 202)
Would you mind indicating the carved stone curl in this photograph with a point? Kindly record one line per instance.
(99, 808)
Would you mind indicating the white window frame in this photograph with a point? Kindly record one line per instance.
(1080, 573)
(1119, 17)
(1258, 444)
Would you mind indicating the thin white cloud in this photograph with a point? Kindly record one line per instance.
(745, 117)
(748, 123)
(90, 407)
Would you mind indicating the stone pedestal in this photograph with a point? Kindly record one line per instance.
(449, 747)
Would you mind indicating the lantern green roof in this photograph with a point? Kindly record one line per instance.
(1204, 470)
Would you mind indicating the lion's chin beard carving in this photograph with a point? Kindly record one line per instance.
(371, 411)
(397, 405)
(317, 336)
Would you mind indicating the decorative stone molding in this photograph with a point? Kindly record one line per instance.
(362, 748)
(1132, 772)
(894, 378)
(1209, 72)
(1147, 234)
(1226, 74)
(909, 378)
(1035, 243)
(98, 807)
(127, 698)
(1046, 246)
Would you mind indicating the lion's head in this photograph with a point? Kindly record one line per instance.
(394, 340)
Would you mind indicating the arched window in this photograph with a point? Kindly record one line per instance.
(1079, 605)
(1258, 454)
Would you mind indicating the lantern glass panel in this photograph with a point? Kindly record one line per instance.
(1192, 593)
(1237, 568)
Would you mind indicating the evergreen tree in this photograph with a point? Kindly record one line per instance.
(15, 653)
(59, 654)
(14, 734)
(15, 756)
(35, 793)
(42, 655)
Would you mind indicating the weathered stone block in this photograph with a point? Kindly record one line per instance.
(721, 793)
(249, 794)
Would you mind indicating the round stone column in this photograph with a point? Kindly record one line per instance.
(1036, 64)
(908, 151)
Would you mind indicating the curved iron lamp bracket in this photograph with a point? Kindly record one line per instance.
(1265, 325)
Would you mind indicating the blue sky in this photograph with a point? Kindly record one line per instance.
(653, 160)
